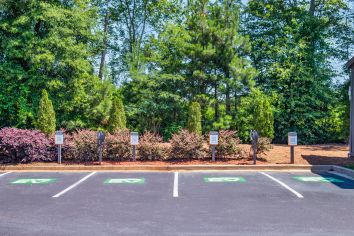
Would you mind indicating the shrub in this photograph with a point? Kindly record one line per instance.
(117, 120)
(118, 146)
(19, 145)
(186, 145)
(151, 147)
(81, 146)
(255, 113)
(194, 124)
(228, 144)
(263, 145)
(46, 115)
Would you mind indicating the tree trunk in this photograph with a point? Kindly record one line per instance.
(216, 107)
(228, 102)
(312, 7)
(105, 41)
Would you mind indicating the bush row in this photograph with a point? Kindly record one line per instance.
(20, 146)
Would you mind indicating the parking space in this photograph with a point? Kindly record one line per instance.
(185, 203)
(319, 186)
(228, 185)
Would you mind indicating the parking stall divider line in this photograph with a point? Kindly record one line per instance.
(342, 175)
(175, 185)
(283, 184)
(74, 185)
(5, 173)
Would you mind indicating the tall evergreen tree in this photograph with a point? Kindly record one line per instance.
(46, 115)
(202, 58)
(292, 46)
(117, 120)
(47, 44)
(194, 118)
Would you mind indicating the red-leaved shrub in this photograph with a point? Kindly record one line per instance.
(186, 145)
(151, 148)
(264, 144)
(228, 144)
(81, 146)
(20, 146)
(118, 146)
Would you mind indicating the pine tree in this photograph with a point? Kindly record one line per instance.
(46, 115)
(194, 118)
(117, 118)
(292, 45)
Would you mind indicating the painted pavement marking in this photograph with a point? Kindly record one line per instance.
(125, 181)
(224, 179)
(5, 173)
(318, 179)
(74, 185)
(33, 181)
(283, 184)
(175, 185)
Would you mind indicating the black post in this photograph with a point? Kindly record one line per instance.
(255, 155)
(59, 154)
(100, 153)
(292, 154)
(254, 138)
(134, 155)
(213, 152)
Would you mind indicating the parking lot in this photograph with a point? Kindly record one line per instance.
(172, 203)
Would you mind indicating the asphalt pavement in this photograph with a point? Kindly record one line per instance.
(183, 203)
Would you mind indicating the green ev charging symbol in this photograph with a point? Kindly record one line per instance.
(33, 181)
(224, 179)
(125, 181)
(318, 179)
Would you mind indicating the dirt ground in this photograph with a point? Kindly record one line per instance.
(279, 154)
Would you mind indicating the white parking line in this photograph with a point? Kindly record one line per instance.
(74, 185)
(283, 184)
(5, 173)
(341, 175)
(175, 185)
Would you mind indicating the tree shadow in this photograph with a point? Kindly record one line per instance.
(327, 160)
(326, 147)
(339, 181)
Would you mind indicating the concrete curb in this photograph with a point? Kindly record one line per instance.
(170, 168)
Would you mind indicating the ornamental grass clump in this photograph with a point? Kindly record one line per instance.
(151, 148)
(187, 145)
(22, 146)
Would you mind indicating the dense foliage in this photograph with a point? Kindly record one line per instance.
(117, 120)
(194, 123)
(255, 113)
(151, 148)
(268, 65)
(228, 145)
(186, 145)
(20, 146)
(46, 116)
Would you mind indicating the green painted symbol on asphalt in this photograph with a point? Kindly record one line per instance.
(224, 179)
(33, 181)
(318, 179)
(125, 181)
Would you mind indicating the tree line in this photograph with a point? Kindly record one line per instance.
(211, 64)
